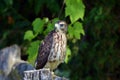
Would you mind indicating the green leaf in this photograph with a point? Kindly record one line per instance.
(38, 25)
(78, 29)
(28, 35)
(75, 9)
(68, 55)
(70, 31)
(50, 26)
(46, 19)
(32, 51)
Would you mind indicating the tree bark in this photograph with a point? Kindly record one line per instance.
(41, 74)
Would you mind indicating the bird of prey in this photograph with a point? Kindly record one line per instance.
(52, 50)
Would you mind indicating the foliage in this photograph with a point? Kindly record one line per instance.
(75, 9)
(91, 55)
(99, 52)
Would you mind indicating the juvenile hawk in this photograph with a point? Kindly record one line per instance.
(53, 49)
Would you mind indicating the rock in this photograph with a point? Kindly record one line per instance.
(11, 66)
(8, 57)
(18, 71)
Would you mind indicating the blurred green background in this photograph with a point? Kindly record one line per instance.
(93, 51)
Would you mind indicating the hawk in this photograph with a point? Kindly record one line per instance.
(53, 48)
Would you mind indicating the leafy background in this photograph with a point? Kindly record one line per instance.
(93, 50)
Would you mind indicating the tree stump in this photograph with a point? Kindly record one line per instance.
(41, 74)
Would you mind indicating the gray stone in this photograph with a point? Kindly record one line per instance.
(11, 66)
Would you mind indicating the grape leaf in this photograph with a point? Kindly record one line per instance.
(68, 54)
(75, 30)
(38, 25)
(32, 51)
(74, 9)
(78, 29)
(29, 35)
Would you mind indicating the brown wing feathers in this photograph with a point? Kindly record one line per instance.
(44, 51)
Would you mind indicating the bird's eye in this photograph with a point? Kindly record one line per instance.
(61, 25)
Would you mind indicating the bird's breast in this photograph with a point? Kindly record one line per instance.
(58, 49)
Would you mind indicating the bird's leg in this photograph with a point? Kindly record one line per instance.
(53, 75)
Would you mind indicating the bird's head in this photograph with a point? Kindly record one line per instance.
(61, 26)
